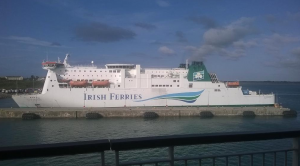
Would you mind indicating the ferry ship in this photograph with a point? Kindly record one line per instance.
(130, 85)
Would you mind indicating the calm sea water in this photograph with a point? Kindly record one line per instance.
(19, 132)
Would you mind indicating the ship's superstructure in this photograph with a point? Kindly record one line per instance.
(129, 85)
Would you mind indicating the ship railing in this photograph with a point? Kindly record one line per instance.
(290, 155)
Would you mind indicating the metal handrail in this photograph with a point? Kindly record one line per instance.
(83, 147)
(56, 149)
(194, 139)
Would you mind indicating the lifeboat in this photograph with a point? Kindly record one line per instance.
(236, 83)
(78, 83)
(100, 83)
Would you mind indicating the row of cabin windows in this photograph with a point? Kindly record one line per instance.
(111, 71)
(90, 80)
(93, 75)
(175, 80)
(122, 67)
(163, 85)
(157, 76)
(217, 90)
(164, 72)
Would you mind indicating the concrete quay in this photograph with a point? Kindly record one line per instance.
(140, 111)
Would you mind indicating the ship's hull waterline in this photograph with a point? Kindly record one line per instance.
(83, 97)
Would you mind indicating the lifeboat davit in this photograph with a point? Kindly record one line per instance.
(78, 83)
(100, 83)
(236, 83)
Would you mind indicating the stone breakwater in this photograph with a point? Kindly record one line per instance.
(139, 112)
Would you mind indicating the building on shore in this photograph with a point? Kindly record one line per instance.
(14, 77)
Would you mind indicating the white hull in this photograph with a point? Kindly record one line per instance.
(84, 97)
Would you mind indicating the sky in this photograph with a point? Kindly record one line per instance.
(238, 40)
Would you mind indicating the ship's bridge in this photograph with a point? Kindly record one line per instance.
(51, 65)
(120, 66)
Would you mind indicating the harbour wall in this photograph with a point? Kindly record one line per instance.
(140, 111)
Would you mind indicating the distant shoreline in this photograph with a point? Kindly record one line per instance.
(4, 96)
(269, 81)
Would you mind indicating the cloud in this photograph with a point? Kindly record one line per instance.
(229, 34)
(200, 53)
(276, 45)
(244, 45)
(99, 32)
(55, 44)
(284, 63)
(145, 26)
(205, 21)
(165, 50)
(271, 18)
(155, 42)
(143, 55)
(294, 16)
(32, 41)
(275, 42)
(180, 36)
(296, 51)
(226, 41)
(162, 3)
